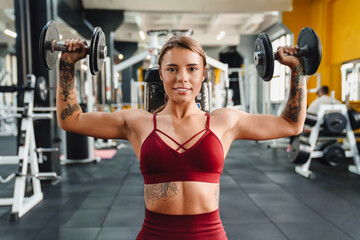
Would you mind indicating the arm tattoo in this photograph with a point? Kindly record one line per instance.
(160, 191)
(297, 94)
(69, 110)
(67, 78)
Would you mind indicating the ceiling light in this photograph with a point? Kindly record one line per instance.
(142, 35)
(121, 56)
(10, 33)
(220, 36)
(148, 57)
(84, 67)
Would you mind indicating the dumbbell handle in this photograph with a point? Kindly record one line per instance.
(60, 46)
(302, 52)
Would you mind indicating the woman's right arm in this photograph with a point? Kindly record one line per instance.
(69, 114)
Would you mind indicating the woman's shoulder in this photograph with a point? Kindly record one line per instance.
(226, 116)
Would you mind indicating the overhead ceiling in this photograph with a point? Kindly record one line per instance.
(207, 18)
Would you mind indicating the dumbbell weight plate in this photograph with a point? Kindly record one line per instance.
(97, 41)
(310, 119)
(265, 65)
(300, 152)
(308, 36)
(101, 51)
(48, 33)
(354, 118)
(334, 122)
(334, 155)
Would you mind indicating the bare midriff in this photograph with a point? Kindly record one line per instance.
(183, 197)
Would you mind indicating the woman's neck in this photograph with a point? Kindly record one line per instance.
(181, 110)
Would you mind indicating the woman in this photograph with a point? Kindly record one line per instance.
(181, 148)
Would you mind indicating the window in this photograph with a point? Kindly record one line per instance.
(350, 77)
(278, 82)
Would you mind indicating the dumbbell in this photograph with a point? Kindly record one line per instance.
(333, 154)
(49, 47)
(334, 122)
(300, 151)
(354, 117)
(310, 51)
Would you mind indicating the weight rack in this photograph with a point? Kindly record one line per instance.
(349, 141)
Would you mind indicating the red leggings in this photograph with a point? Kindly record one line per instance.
(204, 226)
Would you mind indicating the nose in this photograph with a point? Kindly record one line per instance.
(182, 76)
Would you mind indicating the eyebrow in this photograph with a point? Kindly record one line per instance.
(188, 65)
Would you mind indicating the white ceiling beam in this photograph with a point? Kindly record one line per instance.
(139, 22)
(205, 6)
(176, 21)
(248, 26)
(214, 21)
(203, 39)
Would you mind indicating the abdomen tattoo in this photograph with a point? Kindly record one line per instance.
(160, 191)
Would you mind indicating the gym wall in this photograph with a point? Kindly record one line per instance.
(337, 24)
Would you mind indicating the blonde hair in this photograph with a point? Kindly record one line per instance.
(180, 41)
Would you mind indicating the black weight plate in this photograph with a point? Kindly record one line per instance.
(93, 50)
(48, 34)
(334, 122)
(354, 118)
(334, 155)
(100, 44)
(308, 36)
(265, 67)
(300, 152)
(310, 119)
(41, 90)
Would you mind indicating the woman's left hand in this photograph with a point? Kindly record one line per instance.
(286, 57)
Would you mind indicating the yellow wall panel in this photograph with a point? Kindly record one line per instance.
(345, 32)
(337, 22)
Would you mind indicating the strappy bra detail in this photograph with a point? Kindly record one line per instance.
(203, 161)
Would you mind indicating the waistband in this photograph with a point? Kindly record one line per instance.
(188, 221)
(204, 226)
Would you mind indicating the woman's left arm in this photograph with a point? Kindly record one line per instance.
(241, 125)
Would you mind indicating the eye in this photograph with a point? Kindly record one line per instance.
(171, 69)
(192, 69)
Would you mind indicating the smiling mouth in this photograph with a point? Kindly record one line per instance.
(182, 90)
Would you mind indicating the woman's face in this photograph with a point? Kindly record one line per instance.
(182, 72)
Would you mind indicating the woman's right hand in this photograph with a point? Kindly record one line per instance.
(73, 45)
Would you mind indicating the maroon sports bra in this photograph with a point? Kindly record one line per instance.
(203, 162)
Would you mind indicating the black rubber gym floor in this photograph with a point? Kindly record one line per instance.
(261, 198)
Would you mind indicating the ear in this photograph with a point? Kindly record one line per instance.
(205, 72)
(161, 78)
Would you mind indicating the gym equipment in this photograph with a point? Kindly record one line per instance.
(40, 176)
(333, 122)
(300, 152)
(354, 118)
(333, 154)
(310, 51)
(154, 93)
(40, 87)
(25, 158)
(311, 119)
(49, 46)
